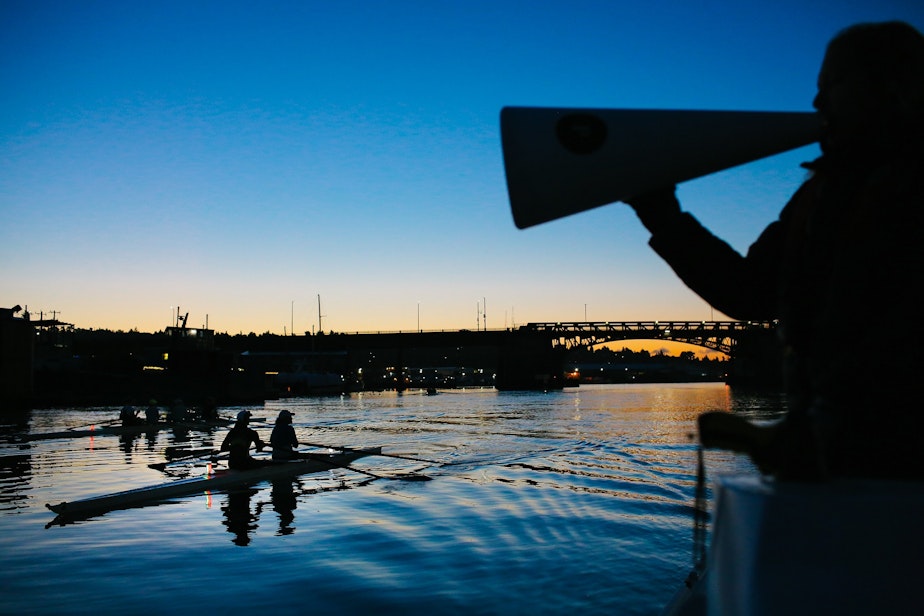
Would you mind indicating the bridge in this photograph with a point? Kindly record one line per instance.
(533, 355)
(722, 336)
(716, 335)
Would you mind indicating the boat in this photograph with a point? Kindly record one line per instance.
(845, 546)
(223, 479)
(118, 430)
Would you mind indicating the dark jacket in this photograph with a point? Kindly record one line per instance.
(237, 442)
(283, 440)
(842, 270)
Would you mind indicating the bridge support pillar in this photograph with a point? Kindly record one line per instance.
(528, 362)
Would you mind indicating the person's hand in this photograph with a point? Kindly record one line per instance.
(657, 208)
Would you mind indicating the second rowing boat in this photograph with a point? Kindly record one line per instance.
(126, 430)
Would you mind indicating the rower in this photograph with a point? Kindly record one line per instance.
(152, 414)
(208, 410)
(283, 438)
(238, 442)
(177, 412)
(129, 416)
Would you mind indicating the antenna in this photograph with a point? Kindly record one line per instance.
(319, 314)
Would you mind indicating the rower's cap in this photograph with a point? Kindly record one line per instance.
(243, 416)
(284, 414)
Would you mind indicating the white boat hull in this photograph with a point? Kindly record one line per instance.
(225, 479)
(837, 547)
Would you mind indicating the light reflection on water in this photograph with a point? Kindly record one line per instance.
(540, 504)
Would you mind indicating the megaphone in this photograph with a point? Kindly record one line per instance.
(561, 161)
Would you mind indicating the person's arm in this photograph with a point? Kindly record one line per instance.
(293, 439)
(257, 441)
(741, 287)
(226, 443)
(658, 210)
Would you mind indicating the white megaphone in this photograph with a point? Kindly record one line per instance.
(564, 161)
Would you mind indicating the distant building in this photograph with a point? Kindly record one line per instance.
(17, 349)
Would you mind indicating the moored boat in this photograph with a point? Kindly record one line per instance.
(832, 547)
(217, 481)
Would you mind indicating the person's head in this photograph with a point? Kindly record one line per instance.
(243, 417)
(871, 90)
(284, 417)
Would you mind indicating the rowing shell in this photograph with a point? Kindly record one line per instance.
(217, 481)
(130, 429)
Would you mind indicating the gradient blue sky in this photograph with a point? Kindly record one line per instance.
(239, 159)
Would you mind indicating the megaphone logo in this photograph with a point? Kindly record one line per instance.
(581, 133)
(562, 161)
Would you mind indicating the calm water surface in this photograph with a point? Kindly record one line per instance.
(538, 503)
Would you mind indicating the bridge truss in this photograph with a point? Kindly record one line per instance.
(716, 335)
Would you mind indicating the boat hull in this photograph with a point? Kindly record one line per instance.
(218, 481)
(835, 547)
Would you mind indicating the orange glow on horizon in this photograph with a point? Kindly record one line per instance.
(669, 347)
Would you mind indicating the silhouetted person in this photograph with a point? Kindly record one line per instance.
(842, 271)
(152, 413)
(177, 411)
(238, 441)
(208, 410)
(283, 438)
(128, 415)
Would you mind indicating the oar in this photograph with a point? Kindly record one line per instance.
(159, 466)
(173, 453)
(387, 455)
(401, 477)
(107, 422)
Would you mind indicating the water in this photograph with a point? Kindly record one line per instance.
(539, 503)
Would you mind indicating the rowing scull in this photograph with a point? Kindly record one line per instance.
(220, 480)
(130, 429)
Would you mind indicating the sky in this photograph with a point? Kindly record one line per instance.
(246, 162)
